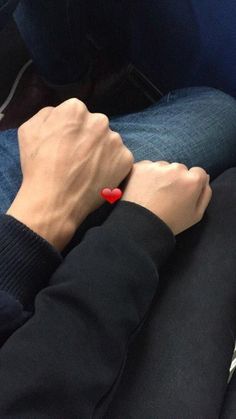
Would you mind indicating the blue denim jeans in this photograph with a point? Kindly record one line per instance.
(57, 36)
(175, 43)
(7, 7)
(192, 126)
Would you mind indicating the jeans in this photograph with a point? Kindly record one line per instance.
(7, 7)
(192, 126)
(186, 43)
(59, 46)
(176, 44)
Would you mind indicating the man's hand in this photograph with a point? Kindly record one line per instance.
(68, 155)
(172, 192)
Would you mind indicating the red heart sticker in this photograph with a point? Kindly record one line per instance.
(111, 195)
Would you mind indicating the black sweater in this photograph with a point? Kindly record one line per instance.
(66, 361)
(26, 265)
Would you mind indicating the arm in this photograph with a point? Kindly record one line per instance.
(12, 316)
(67, 156)
(26, 263)
(71, 353)
(69, 357)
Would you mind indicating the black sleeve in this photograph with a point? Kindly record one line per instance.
(12, 315)
(26, 264)
(67, 360)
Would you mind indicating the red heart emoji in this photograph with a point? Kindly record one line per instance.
(111, 195)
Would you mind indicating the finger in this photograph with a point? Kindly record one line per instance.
(113, 135)
(204, 199)
(200, 175)
(176, 165)
(197, 169)
(71, 106)
(162, 163)
(143, 162)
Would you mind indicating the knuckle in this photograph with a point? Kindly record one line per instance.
(196, 178)
(200, 214)
(129, 157)
(22, 130)
(116, 138)
(209, 195)
(45, 110)
(83, 108)
(76, 106)
(177, 167)
(72, 103)
(198, 172)
(101, 121)
(162, 163)
(198, 218)
(144, 162)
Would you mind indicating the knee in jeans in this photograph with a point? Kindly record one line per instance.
(220, 103)
(220, 96)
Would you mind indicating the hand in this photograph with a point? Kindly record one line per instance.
(68, 155)
(172, 192)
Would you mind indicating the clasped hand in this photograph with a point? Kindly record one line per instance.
(68, 155)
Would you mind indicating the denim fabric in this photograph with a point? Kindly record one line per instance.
(10, 169)
(7, 7)
(175, 43)
(192, 126)
(55, 37)
(186, 43)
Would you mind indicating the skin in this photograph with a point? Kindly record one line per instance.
(172, 192)
(68, 155)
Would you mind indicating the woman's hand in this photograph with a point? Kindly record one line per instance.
(68, 155)
(172, 192)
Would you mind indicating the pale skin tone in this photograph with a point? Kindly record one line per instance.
(175, 194)
(68, 155)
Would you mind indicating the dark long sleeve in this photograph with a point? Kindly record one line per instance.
(67, 360)
(26, 264)
(12, 315)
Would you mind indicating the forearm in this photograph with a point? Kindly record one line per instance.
(26, 261)
(71, 353)
(47, 219)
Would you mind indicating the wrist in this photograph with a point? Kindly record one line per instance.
(42, 218)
